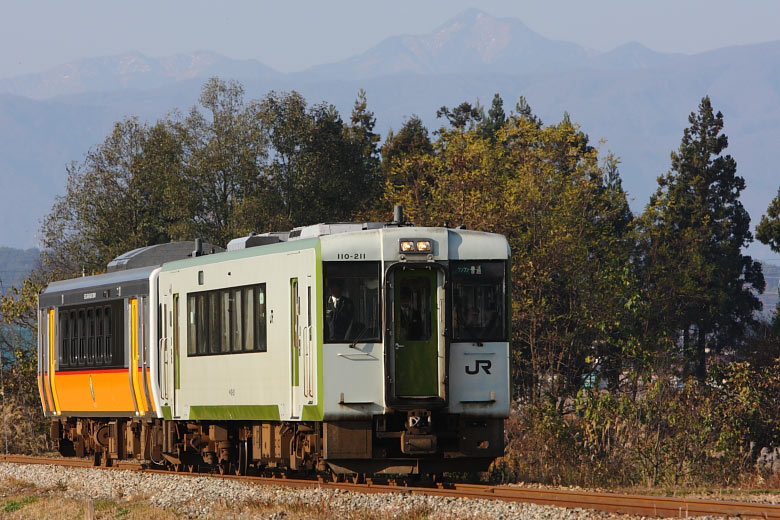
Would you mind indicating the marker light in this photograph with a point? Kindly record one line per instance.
(424, 246)
(407, 246)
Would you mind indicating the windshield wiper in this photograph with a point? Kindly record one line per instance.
(358, 337)
(472, 336)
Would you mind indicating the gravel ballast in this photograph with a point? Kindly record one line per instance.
(204, 497)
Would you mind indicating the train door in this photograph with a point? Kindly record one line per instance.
(416, 307)
(295, 348)
(169, 352)
(309, 356)
(175, 351)
(163, 356)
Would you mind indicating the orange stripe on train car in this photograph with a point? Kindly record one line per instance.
(112, 391)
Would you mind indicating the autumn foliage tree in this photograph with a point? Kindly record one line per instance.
(567, 220)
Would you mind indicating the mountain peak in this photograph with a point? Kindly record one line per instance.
(472, 41)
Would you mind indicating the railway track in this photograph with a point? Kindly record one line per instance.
(659, 506)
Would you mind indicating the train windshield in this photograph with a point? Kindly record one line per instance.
(479, 301)
(351, 306)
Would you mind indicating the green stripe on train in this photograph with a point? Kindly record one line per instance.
(263, 412)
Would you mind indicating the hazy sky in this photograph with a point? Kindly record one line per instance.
(292, 35)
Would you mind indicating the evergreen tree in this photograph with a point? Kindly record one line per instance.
(701, 284)
(768, 230)
(495, 120)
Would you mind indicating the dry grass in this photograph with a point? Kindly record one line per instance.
(20, 499)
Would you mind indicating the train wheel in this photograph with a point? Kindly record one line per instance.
(243, 458)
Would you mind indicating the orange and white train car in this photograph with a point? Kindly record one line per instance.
(95, 359)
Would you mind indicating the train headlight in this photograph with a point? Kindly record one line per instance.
(424, 246)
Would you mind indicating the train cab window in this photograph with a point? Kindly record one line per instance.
(351, 306)
(479, 301)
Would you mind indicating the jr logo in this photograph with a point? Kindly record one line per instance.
(484, 364)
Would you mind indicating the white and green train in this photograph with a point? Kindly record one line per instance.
(350, 347)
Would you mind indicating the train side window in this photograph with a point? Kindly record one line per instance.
(192, 347)
(237, 320)
(82, 356)
(108, 343)
(90, 336)
(202, 319)
(99, 336)
(248, 318)
(260, 332)
(74, 340)
(227, 321)
(64, 339)
(214, 322)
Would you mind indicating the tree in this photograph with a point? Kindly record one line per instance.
(226, 147)
(768, 230)
(119, 198)
(495, 120)
(462, 116)
(694, 228)
(564, 214)
(322, 169)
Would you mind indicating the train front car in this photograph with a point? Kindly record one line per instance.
(416, 353)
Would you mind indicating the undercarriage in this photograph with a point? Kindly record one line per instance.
(413, 442)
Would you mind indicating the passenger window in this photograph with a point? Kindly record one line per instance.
(108, 346)
(74, 340)
(64, 338)
(82, 355)
(227, 321)
(248, 318)
(259, 342)
(99, 336)
(191, 331)
(236, 320)
(90, 336)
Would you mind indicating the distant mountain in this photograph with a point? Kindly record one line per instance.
(635, 98)
(472, 42)
(131, 70)
(632, 56)
(15, 265)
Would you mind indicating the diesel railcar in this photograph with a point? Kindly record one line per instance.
(347, 348)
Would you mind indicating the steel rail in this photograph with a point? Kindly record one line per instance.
(646, 505)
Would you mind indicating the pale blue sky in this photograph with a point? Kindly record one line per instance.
(292, 35)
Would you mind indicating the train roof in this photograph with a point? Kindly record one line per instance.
(98, 287)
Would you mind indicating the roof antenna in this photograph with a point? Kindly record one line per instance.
(398, 215)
